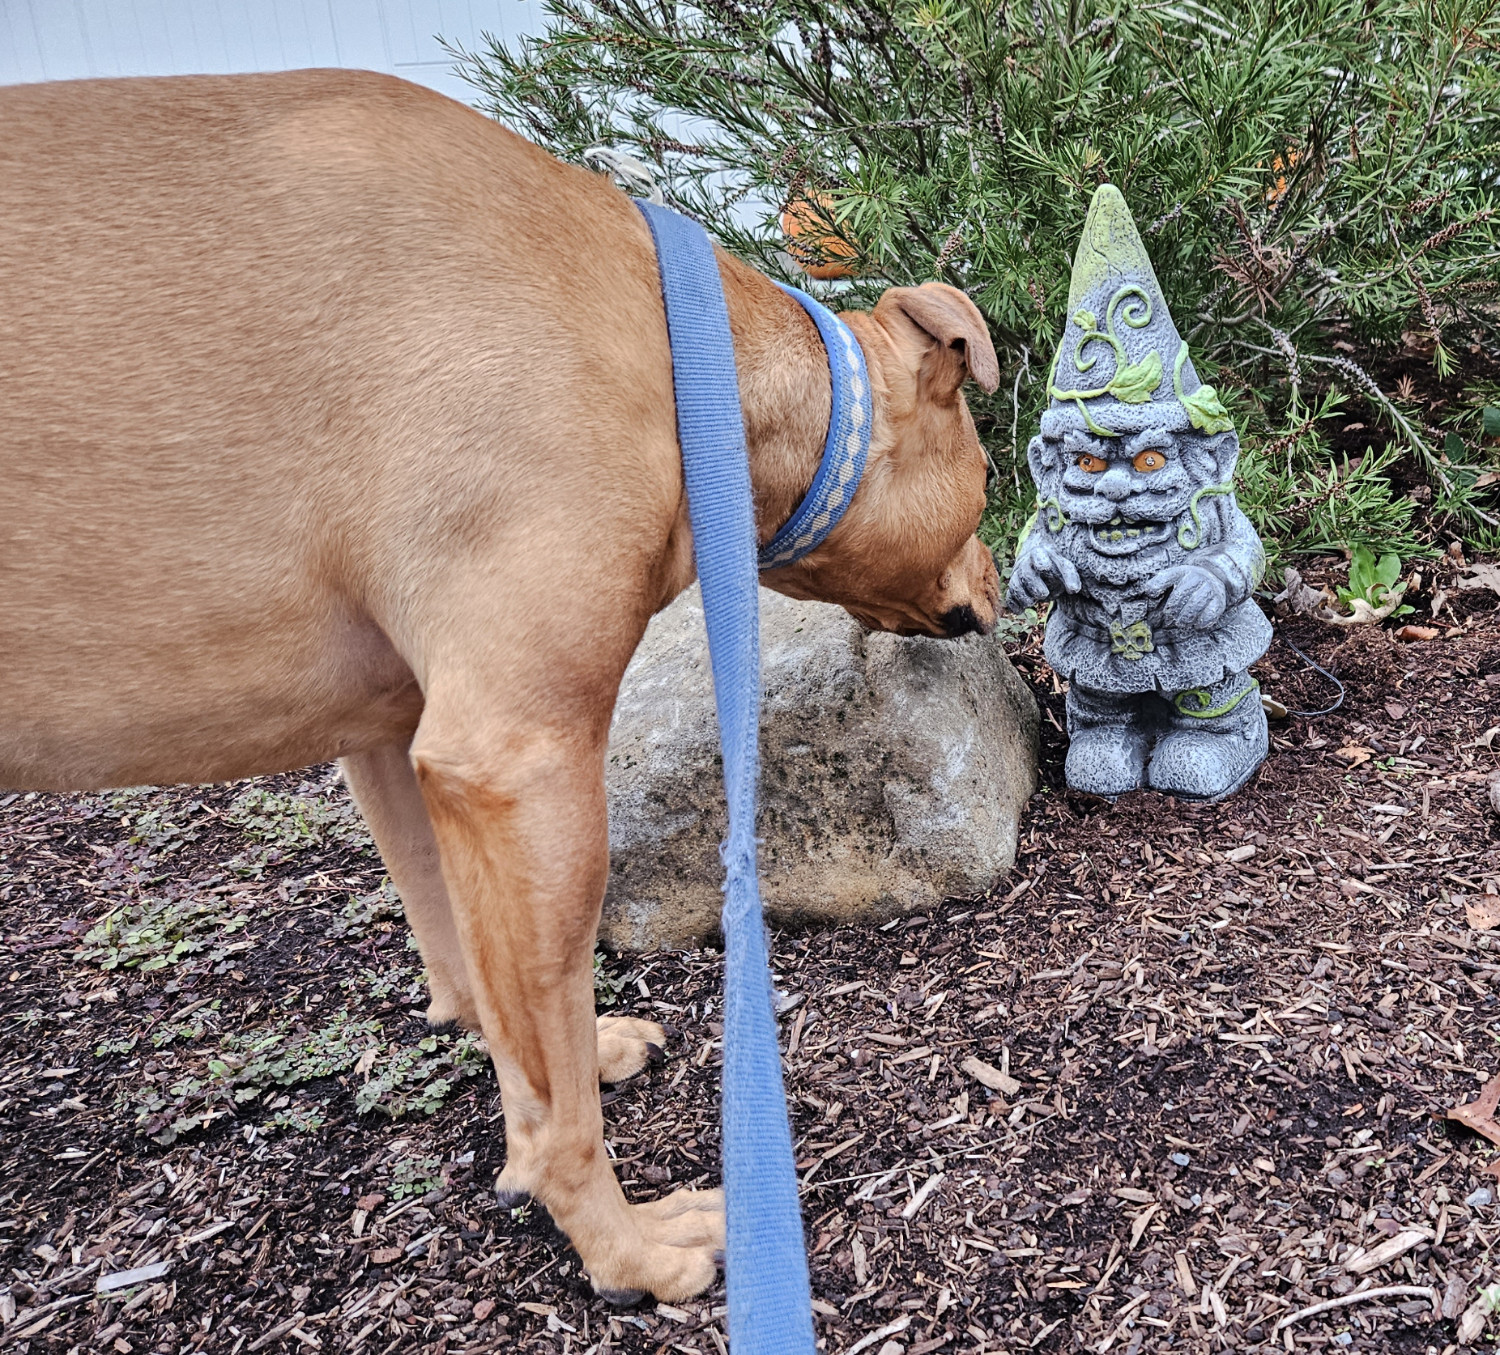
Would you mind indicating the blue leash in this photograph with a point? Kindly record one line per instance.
(770, 1303)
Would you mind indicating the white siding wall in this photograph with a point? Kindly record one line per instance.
(68, 39)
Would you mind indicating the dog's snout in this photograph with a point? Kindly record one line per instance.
(963, 620)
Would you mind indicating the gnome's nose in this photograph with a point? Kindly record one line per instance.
(1114, 484)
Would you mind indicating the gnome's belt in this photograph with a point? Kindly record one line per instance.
(1144, 637)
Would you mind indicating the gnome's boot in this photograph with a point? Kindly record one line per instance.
(1215, 740)
(1109, 736)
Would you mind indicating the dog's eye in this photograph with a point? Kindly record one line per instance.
(1148, 461)
(1092, 464)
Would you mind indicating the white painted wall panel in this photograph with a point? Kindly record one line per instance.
(72, 39)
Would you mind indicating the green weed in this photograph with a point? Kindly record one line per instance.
(417, 1079)
(415, 1176)
(120, 1044)
(364, 914)
(265, 1065)
(283, 823)
(296, 1121)
(399, 982)
(607, 985)
(293, 820)
(1374, 581)
(245, 1066)
(151, 818)
(150, 934)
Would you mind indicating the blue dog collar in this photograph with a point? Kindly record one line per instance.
(845, 451)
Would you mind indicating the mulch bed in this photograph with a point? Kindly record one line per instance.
(1213, 1047)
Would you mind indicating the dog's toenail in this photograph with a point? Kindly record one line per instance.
(621, 1298)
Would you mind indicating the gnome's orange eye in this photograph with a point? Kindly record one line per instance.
(1092, 464)
(1149, 461)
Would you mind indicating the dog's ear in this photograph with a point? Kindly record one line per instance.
(945, 335)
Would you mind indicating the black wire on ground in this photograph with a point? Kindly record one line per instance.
(1313, 663)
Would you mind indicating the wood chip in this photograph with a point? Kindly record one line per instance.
(1387, 1251)
(880, 1334)
(989, 1076)
(921, 1197)
(123, 1279)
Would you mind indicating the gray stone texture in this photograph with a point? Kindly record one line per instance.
(893, 773)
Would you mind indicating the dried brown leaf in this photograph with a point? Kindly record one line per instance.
(1483, 911)
(1480, 1115)
(1482, 575)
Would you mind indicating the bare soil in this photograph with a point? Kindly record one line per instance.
(1223, 1038)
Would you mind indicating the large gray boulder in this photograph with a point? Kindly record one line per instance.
(893, 773)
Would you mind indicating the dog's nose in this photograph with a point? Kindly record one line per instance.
(963, 620)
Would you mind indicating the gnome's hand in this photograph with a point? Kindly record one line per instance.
(1198, 596)
(1039, 575)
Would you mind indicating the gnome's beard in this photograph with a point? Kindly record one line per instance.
(1121, 564)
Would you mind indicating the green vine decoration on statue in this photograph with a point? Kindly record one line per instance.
(1133, 382)
(1190, 535)
(1197, 702)
(1048, 507)
(1204, 408)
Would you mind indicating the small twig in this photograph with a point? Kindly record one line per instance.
(1015, 416)
(1164, 219)
(920, 1198)
(890, 1329)
(276, 1332)
(1390, 1291)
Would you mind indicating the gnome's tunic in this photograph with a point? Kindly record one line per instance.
(1112, 636)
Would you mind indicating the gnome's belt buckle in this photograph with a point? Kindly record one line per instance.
(1132, 641)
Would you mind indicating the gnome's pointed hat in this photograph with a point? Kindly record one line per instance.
(1122, 367)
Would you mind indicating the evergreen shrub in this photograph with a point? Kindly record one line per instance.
(1316, 181)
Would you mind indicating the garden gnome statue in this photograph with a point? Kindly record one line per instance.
(1138, 540)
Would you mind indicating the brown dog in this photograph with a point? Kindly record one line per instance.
(338, 422)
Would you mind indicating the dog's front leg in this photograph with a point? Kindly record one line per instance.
(519, 817)
(385, 788)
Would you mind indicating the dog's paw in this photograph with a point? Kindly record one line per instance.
(679, 1249)
(510, 1192)
(627, 1045)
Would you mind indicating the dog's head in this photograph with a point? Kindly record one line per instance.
(904, 557)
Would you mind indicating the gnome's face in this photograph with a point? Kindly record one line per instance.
(1129, 492)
